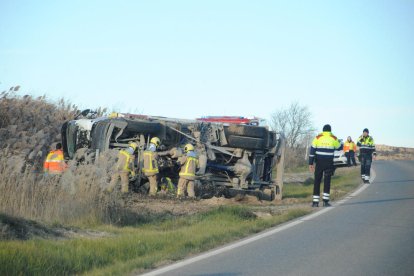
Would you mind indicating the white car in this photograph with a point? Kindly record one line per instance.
(339, 156)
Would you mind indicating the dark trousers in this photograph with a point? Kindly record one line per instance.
(324, 167)
(350, 156)
(366, 160)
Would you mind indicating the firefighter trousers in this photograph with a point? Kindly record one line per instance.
(185, 184)
(153, 184)
(124, 181)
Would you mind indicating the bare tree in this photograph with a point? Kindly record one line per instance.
(295, 122)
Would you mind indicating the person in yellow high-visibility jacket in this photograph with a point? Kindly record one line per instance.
(349, 150)
(189, 164)
(322, 152)
(366, 152)
(124, 168)
(150, 168)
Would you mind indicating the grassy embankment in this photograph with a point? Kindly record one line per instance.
(344, 181)
(155, 242)
(132, 248)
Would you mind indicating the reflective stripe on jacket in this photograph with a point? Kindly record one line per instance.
(150, 163)
(349, 146)
(323, 147)
(125, 161)
(366, 145)
(188, 167)
(55, 162)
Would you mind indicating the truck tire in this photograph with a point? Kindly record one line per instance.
(272, 141)
(246, 142)
(99, 134)
(249, 131)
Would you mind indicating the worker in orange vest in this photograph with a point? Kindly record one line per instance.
(55, 162)
(350, 149)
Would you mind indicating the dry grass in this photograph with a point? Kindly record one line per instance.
(29, 127)
(74, 197)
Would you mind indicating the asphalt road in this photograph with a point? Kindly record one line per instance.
(371, 233)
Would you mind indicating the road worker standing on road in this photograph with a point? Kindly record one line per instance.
(150, 169)
(189, 164)
(124, 168)
(366, 150)
(322, 152)
(350, 149)
(55, 162)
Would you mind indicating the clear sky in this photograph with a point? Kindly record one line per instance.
(350, 62)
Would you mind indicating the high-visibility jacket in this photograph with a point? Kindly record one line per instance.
(189, 165)
(55, 162)
(167, 185)
(323, 147)
(349, 146)
(150, 163)
(125, 161)
(366, 145)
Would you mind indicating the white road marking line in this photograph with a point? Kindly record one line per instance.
(253, 238)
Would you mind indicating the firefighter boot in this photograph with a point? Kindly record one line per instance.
(315, 204)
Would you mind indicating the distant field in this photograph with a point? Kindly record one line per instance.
(394, 153)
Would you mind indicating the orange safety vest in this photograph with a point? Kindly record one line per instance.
(349, 146)
(54, 163)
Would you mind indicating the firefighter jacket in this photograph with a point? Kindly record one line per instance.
(125, 161)
(323, 147)
(167, 185)
(366, 145)
(189, 164)
(150, 163)
(348, 146)
(55, 162)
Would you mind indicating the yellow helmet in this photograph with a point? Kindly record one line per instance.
(188, 148)
(156, 141)
(133, 145)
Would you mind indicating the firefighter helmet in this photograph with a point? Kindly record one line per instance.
(156, 141)
(188, 148)
(133, 145)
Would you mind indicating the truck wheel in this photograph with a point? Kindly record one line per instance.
(272, 139)
(250, 131)
(246, 142)
(99, 135)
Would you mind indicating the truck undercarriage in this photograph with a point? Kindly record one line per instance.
(234, 158)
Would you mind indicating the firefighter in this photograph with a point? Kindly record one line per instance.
(167, 186)
(189, 164)
(124, 168)
(55, 162)
(350, 149)
(150, 169)
(366, 152)
(322, 152)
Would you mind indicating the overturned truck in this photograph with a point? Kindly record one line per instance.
(237, 156)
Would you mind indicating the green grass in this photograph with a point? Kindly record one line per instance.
(344, 181)
(134, 248)
(156, 241)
